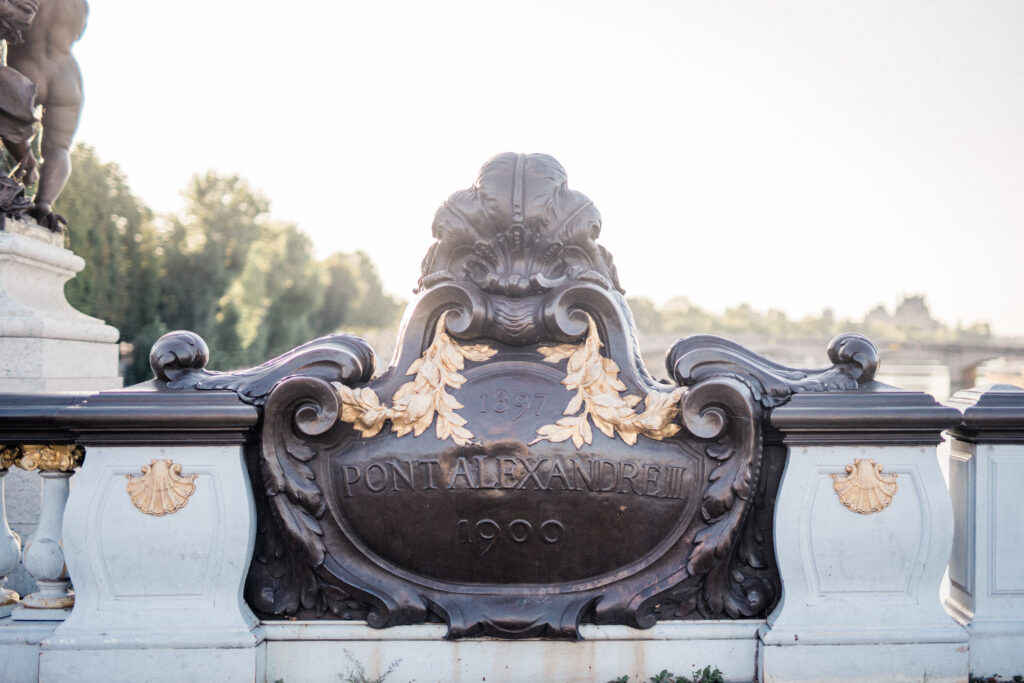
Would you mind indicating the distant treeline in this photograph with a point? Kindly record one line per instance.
(251, 286)
(910, 321)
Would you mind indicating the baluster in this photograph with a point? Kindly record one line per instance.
(44, 556)
(10, 544)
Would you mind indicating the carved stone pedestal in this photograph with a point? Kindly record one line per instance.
(986, 570)
(865, 525)
(158, 541)
(45, 344)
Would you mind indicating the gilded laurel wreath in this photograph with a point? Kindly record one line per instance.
(595, 379)
(416, 403)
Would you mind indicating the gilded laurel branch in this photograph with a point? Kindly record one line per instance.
(595, 379)
(416, 403)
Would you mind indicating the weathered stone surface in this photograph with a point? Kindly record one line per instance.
(985, 458)
(46, 344)
(861, 581)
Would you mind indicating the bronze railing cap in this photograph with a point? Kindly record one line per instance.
(139, 415)
(993, 413)
(877, 414)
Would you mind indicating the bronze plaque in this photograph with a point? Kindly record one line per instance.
(516, 470)
(505, 513)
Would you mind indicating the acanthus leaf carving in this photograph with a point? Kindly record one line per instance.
(291, 549)
(518, 231)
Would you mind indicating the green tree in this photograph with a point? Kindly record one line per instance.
(272, 305)
(252, 288)
(112, 230)
(207, 249)
(354, 296)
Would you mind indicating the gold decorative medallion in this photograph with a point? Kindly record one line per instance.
(417, 402)
(60, 458)
(161, 490)
(595, 379)
(865, 489)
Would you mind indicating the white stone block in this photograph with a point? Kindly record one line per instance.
(155, 665)
(861, 591)
(46, 345)
(168, 585)
(19, 649)
(323, 651)
(986, 568)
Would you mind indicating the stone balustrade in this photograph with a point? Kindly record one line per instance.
(158, 577)
(985, 456)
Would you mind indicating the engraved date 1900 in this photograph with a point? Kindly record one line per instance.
(486, 532)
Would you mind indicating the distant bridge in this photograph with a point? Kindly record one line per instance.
(962, 358)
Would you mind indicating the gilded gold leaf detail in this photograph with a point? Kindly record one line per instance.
(864, 488)
(59, 458)
(598, 398)
(9, 456)
(424, 400)
(161, 489)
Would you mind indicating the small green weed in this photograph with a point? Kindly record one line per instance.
(705, 675)
(357, 674)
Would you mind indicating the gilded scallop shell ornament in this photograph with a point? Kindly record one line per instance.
(865, 489)
(161, 490)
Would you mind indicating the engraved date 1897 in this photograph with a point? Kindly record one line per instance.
(486, 532)
(504, 401)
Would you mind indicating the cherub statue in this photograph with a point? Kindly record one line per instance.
(39, 35)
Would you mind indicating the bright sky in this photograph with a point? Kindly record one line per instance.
(797, 155)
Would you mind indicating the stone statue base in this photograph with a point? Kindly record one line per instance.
(46, 344)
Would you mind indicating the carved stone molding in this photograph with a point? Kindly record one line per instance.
(864, 488)
(161, 489)
(45, 458)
